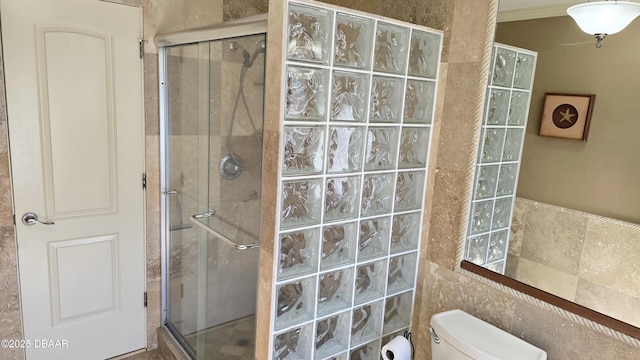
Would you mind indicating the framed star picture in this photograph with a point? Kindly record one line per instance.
(567, 116)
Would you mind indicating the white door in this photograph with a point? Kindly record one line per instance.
(74, 100)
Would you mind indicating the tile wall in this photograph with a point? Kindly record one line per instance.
(360, 94)
(578, 256)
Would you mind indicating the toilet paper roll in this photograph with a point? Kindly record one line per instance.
(397, 349)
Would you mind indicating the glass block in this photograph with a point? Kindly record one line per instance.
(345, 149)
(374, 238)
(518, 109)
(502, 213)
(481, 216)
(512, 145)
(343, 356)
(492, 145)
(338, 245)
(294, 344)
(349, 96)
(504, 65)
(402, 273)
(306, 93)
(392, 46)
(397, 312)
(377, 194)
(419, 100)
(341, 198)
(497, 267)
(309, 34)
(298, 253)
(386, 99)
(303, 150)
(498, 107)
(366, 323)
(525, 65)
(414, 146)
(332, 335)
(486, 183)
(371, 279)
(296, 302)
(507, 179)
(477, 248)
(498, 245)
(423, 56)
(353, 41)
(301, 203)
(335, 291)
(405, 232)
(370, 351)
(381, 148)
(409, 189)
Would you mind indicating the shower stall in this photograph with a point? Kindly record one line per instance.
(211, 91)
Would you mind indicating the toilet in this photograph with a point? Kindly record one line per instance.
(456, 335)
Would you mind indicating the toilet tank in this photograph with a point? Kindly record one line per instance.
(464, 337)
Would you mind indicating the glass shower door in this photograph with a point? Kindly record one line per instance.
(213, 93)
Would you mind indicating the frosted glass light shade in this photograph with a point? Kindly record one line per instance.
(604, 17)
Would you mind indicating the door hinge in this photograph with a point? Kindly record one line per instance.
(141, 44)
(144, 181)
(145, 299)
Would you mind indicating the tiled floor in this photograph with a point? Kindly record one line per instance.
(149, 355)
(231, 341)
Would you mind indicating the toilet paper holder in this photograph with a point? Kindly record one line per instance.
(399, 343)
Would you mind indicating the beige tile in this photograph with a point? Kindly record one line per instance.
(547, 278)
(151, 94)
(554, 238)
(511, 268)
(608, 301)
(469, 29)
(611, 256)
(6, 202)
(517, 227)
(458, 117)
(564, 339)
(426, 13)
(242, 8)
(446, 217)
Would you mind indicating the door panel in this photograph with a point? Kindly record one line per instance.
(83, 111)
(74, 100)
(94, 291)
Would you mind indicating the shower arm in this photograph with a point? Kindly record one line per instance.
(194, 219)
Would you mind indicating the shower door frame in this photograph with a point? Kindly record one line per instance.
(254, 25)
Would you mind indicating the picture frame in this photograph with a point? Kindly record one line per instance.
(567, 116)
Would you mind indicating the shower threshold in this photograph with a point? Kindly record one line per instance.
(234, 340)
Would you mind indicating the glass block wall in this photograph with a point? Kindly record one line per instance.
(500, 148)
(356, 139)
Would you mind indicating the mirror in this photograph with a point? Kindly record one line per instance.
(574, 231)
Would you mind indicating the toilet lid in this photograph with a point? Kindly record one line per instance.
(481, 340)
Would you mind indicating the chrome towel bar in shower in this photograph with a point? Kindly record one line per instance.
(194, 219)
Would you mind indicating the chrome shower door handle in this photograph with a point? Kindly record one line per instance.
(30, 219)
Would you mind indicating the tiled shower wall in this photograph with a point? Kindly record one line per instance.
(360, 95)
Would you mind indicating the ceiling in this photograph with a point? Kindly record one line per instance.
(513, 10)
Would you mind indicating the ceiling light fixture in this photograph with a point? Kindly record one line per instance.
(602, 18)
